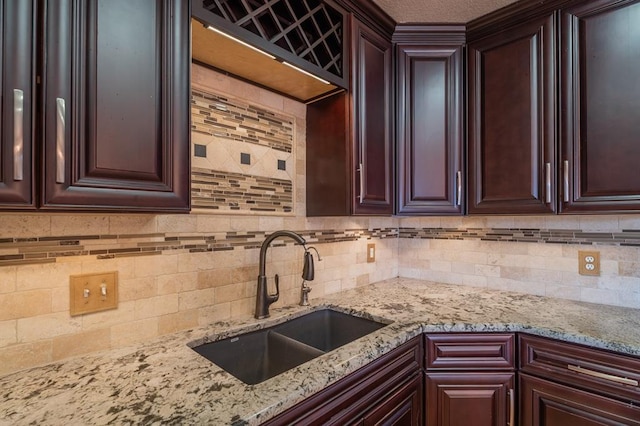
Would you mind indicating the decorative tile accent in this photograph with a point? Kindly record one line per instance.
(282, 165)
(533, 235)
(20, 251)
(243, 142)
(200, 150)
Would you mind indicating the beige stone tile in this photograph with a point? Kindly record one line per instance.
(487, 270)
(190, 262)
(81, 343)
(295, 108)
(601, 223)
(463, 268)
(362, 280)
(442, 276)
(599, 295)
(8, 333)
(50, 275)
(25, 225)
(196, 299)
(529, 222)
(47, 326)
(243, 308)
(563, 292)
(18, 357)
(25, 304)
(139, 288)
(134, 332)
(270, 100)
(178, 321)
(440, 265)
(208, 224)
(124, 314)
(332, 287)
(177, 223)
(557, 264)
(79, 225)
(124, 266)
(562, 222)
(631, 221)
(249, 273)
(132, 224)
(215, 278)
(176, 283)
(211, 314)
(8, 279)
(156, 306)
(542, 249)
(60, 299)
(155, 265)
(629, 269)
(474, 280)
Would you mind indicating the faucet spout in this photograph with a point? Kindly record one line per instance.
(263, 298)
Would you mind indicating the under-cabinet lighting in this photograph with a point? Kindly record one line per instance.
(222, 33)
(306, 73)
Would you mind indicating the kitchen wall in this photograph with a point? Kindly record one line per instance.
(181, 271)
(175, 271)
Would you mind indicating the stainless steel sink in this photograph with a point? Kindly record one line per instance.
(259, 355)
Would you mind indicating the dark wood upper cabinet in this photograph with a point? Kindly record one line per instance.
(17, 76)
(116, 105)
(511, 116)
(600, 100)
(349, 135)
(430, 102)
(372, 125)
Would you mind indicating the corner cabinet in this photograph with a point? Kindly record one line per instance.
(17, 82)
(387, 391)
(350, 135)
(511, 119)
(430, 105)
(600, 100)
(109, 129)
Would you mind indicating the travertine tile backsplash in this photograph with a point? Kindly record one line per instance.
(180, 271)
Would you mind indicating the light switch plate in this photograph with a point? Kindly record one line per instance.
(371, 253)
(589, 262)
(93, 292)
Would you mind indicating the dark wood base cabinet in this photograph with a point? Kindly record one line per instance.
(386, 392)
(545, 403)
(463, 399)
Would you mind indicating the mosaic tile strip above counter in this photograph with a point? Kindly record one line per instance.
(26, 251)
(557, 236)
(218, 191)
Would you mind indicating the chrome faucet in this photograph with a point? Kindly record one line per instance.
(263, 298)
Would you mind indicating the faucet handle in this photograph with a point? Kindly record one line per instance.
(274, 297)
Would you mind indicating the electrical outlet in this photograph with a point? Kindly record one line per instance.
(589, 262)
(93, 292)
(371, 253)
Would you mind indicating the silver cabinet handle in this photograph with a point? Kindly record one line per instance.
(60, 139)
(605, 376)
(512, 407)
(361, 172)
(547, 182)
(18, 134)
(565, 183)
(458, 188)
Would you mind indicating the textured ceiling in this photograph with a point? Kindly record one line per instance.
(439, 11)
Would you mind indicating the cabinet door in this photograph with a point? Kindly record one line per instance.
(372, 106)
(402, 408)
(116, 105)
(463, 399)
(600, 80)
(511, 120)
(17, 64)
(430, 106)
(544, 403)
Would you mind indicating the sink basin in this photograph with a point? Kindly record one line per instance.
(259, 355)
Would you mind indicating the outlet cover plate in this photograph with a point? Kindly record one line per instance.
(589, 262)
(86, 292)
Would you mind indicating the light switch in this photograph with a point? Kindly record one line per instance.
(371, 253)
(93, 292)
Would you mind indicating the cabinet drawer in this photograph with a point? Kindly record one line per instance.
(470, 351)
(582, 367)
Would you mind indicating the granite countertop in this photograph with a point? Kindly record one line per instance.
(165, 381)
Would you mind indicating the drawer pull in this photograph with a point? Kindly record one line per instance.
(512, 407)
(18, 137)
(547, 183)
(361, 171)
(60, 139)
(458, 188)
(604, 376)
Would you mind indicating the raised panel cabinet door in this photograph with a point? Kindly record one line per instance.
(463, 399)
(544, 403)
(116, 105)
(372, 113)
(600, 83)
(430, 102)
(17, 71)
(403, 407)
(512, 159)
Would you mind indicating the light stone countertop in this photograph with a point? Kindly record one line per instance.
(164, 381)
